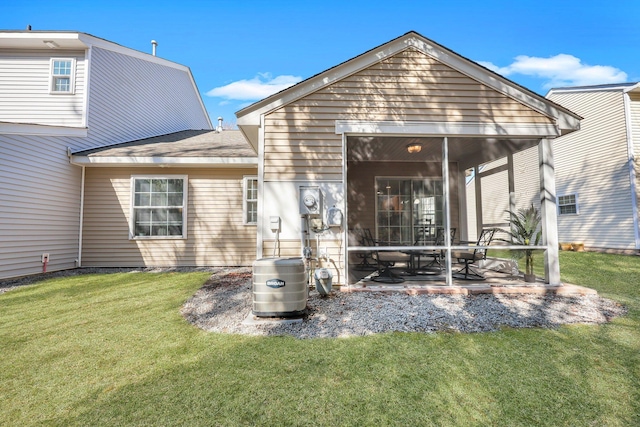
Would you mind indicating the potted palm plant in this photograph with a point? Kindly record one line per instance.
(525, 231)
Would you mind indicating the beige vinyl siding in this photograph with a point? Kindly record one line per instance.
(592, 162)
(526, 177)
(25, 89)
(634, 108)
(300, 139)
(495, 190)
(216, 234)
(39, 205)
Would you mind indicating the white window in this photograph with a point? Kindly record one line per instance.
(62, 75)
(159, 206)
(408, 211)
(250, 200)
(568, 204)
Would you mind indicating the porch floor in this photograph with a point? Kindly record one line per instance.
(494, 283)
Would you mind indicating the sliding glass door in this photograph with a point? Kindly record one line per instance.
(408, 210)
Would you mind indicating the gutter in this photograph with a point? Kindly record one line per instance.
(117, 161)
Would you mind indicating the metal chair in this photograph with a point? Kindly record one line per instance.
(438, 254)
(367, 258)
(470, 257)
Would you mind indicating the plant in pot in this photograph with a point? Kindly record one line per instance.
(525, 231)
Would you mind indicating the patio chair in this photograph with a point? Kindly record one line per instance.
(470, 257)
(367, 258)
(387, 260)
(438, 254)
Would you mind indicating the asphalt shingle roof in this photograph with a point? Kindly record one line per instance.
(186, 143)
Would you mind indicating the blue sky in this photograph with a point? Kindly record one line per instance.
(240, 51)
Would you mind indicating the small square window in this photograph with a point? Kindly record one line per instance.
(568, 204)
(62, 75)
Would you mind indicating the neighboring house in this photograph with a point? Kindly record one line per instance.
(382, 141)
(596, 171)
(597, 175)
(62, 92)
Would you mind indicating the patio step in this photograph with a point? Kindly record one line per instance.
(538, 289)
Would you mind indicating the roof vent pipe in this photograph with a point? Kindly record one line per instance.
(219, 128)
(154, 44)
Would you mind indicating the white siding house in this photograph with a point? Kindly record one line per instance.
(62, 92)
(596, 168)
(593, 170)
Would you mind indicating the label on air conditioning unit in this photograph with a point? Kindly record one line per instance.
(275, 283)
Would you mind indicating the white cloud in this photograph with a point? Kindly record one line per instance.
(257, 88)
(560, 70)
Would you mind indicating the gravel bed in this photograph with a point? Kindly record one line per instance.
(224, 302)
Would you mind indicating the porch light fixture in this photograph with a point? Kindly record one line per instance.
(415, 147)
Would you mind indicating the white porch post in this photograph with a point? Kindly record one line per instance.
(447, 209)
(548, 212)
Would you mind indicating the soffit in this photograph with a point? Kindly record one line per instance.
(467, 152)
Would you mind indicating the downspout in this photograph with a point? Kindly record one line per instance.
(81, 219)
(81, 222)
(632, 169)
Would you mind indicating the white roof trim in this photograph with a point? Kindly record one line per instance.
(634, 88)
(118, 161)
(466, 129)
(42, 130)
(251, 115)
(612, 88)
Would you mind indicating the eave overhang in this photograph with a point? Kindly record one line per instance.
(463, 129)
(183, 162)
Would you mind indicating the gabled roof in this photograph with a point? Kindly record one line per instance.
(184, 148)
(249, 117)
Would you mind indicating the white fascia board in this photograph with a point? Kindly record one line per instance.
(466, 129)
(634, 88)
(217, 162)
(91, 41)
(42, 130)
(564, 118)
(313, 84)
(35, 40)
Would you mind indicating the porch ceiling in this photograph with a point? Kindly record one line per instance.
(467, 152)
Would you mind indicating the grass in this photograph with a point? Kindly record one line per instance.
(114, 350)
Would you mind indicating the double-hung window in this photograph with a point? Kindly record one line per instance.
(62, 75)
(250, 200)
(159, 206)
(568, 204)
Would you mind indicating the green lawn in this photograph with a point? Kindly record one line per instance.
(114, 350)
